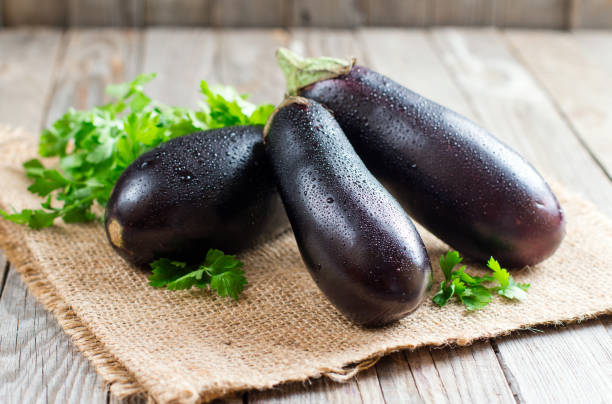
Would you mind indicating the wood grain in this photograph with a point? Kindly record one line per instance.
(581, 89)
(25, 81)
(39, 362)
(33, 12)
(177, 12)
(463, 12)
(93, 59)
(549, 14)
(598, 47)
(507, 101)
(325, 13)
(438, 375)
(96, 13)
(188, 54)
(251, 13)
(406, 13)
(502, 93)
(253, 69)
(591, 14)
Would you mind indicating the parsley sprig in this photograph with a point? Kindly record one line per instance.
(475, 292)
(221, 273)
(95, 146)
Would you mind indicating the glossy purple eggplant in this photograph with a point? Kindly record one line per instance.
(451, 175)
(211, 189)
(358, 244)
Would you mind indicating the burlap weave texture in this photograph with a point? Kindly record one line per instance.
(190, 346)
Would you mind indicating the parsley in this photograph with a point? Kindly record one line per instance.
(95, 146)
(473, 291)
(221, 273)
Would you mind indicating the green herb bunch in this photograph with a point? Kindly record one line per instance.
(95, 146)
(475, 292)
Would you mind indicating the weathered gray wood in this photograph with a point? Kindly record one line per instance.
(93, 59)
(41, 363)
(570, 364)
(33, 12)
(250, 13)
(177, 12)
(551, 14)
(325, 13)
(405, 13)
(122, 13)
(507, 101)
(591, 14)
(250, 65)
(315, 391)
(503, 94)
(188, 54)
(38, 362)
(418, 67)
(25, 81)
(598, 47)
(581, 89)
(463, 12)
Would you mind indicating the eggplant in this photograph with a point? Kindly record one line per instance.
(358, 244)
(452, 176)
(210, 189)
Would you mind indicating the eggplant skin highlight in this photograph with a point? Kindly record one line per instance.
(452, 176)
(358, 244)
(210, 189)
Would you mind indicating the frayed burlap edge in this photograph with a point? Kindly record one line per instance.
(123, 385)
(114, 375)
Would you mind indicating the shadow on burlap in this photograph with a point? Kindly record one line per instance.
(191, 346)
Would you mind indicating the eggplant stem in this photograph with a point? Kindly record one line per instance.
(301, 72)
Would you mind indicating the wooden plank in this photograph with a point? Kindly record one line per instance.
(580, 88)
(26, 70)
(325, 13)
(38, 362)
(463, 12)
(315, 391)
(591, 14)
(34, 12)
(598, 47)
(93, 59)
(248, 13)
(96, 13)
(177, 12)
(403, 13)
(189, 55)
(511, 104)
(570, 364)
(551, 14)
(250, 66)
(440, 375)
(508, 102)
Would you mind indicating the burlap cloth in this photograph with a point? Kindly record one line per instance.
(191, 346)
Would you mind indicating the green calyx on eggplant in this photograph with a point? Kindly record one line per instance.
(358, 244)
(451, 175)
(211, 189)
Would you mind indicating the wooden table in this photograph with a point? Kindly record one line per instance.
(547, 94)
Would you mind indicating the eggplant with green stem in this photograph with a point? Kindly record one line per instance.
(452, 176)
(358, 244)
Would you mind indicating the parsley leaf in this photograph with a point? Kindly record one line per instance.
(95, 146)
(220, 272)
(507, 285)
(471, 290)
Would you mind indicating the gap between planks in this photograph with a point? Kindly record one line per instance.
(381, 367)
